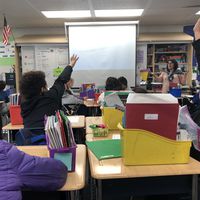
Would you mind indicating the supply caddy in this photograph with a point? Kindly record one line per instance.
(111, 113)
(60, 139)
(99, 130)
(141, 147)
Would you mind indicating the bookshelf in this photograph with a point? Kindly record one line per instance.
(159, 54)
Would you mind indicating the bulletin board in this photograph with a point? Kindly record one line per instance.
(7, 57)
(48, 58)
(7, 53)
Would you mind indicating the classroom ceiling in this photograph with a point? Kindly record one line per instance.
(26, 13)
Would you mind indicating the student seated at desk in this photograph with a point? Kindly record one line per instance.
(37, 101)
(138, 89)
(124, 83)
(112, 84)
(72, 104)
(4, 106)
(3, 94)
(4, 97)
(21, 171)
(172, 77)
(68, 96)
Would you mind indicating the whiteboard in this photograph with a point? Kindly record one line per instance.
(46, 58)
(103, 50)
(28, 58)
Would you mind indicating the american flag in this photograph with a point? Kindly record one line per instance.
(6, 32)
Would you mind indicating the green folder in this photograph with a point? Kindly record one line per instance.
(105, 149)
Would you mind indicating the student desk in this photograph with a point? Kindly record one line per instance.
(9, 128)
(92, 120)
(75, 180)
(112, 177)
(78, 125)
(97, 120)
(77, 122)
(93, 107)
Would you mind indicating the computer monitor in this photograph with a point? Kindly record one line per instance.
(10, 78)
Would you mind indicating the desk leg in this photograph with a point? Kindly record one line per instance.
(9, 136)
(92, 111)
(99, 190)
(74, 195)
(195, 187)
(79, 135)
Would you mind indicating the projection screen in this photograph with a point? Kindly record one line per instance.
(104, 50)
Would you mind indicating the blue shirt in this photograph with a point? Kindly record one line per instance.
(4, 96)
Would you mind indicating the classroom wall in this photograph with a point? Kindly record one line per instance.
(39, 31)
(161, 29)
(18, 32)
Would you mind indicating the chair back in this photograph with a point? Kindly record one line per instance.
(30, 137)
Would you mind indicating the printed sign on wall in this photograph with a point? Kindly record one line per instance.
(7, 53)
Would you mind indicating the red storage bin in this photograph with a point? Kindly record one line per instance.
(15, 115)
(157, 113)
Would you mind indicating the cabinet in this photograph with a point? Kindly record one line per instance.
(159, 54)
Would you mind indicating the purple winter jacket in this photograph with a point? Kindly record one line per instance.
(19, 170)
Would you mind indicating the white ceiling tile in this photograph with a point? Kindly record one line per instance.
(26, 13)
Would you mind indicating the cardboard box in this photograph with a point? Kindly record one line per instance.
(157, 113)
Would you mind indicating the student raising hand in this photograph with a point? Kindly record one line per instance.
(36, 101)
(196, 43)
(73, 60)
(196, 30)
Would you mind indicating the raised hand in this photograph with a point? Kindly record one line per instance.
(196, 30)
(73, 60)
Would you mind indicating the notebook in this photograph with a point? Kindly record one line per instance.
(105, 149)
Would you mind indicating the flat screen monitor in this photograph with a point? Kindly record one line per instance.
(10, 79)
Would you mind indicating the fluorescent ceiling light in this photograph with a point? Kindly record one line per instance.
(198, 13)
(119, 13)
(67, 14)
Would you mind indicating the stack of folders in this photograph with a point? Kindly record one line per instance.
(15, 99)
(59, 131)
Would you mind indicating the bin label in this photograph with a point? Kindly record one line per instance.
(150, 116)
